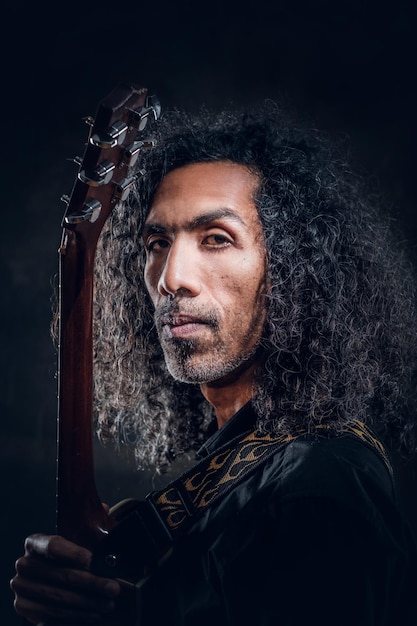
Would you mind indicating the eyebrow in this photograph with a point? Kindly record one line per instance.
(196, 222)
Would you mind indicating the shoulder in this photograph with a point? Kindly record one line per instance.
(321, 515)
(338, 490)
(341, 468)
(342, 472)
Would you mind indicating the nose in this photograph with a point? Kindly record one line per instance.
(180, 274)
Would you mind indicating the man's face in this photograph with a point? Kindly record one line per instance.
(205, 270)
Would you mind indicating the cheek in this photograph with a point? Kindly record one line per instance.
(254, 275)
(246, 286)
(151, 282)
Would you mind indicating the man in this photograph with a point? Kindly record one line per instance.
(252, 280)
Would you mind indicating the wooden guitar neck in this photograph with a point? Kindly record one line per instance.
(106, 174)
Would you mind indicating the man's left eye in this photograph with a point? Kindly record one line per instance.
(217, 240)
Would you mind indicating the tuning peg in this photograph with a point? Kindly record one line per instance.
(132, 152)
(77, 160)
(89, 213)
(100, 176)
(65, 199)
(113, 137)
(89, 120)
(154, 103)
(151, 109)
(149, 142)
(123, 187)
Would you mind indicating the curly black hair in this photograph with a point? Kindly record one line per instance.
(339, 342)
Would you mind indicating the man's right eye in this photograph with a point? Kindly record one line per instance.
(156, 244)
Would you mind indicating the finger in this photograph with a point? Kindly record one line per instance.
(39, 601)
(57, 548)
(37, 613)
(30, 571)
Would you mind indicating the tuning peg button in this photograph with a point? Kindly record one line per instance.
(123, 187)
(132, 152)
(114, 136)
(141, 116)
(100, 176)
(154, 103)
(89, 213)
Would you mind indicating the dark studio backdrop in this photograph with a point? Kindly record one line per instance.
(348, 66)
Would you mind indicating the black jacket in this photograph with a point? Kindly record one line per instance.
(313, 537)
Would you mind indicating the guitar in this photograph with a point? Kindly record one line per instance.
(107, 172)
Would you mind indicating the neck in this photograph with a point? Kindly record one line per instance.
(229, 394)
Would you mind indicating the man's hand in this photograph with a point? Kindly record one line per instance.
(53, 584)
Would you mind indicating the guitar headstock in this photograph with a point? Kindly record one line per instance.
(107, 170)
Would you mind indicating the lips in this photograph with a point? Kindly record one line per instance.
(179, 326)
(181, 320)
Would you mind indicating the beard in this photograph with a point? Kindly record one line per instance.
(200, 359)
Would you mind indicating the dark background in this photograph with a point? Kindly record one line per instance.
(347, 66)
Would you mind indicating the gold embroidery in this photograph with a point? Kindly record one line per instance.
(219, 472)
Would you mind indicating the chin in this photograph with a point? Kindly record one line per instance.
(208, 372)
(187, 374)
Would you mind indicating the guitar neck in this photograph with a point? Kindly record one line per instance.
(106, 174)
(80, 516)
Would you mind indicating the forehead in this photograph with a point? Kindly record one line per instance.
(200, 187)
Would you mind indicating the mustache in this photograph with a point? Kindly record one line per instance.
(174, 313)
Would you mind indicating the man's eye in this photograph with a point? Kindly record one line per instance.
(156, 245)
(217, 240)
